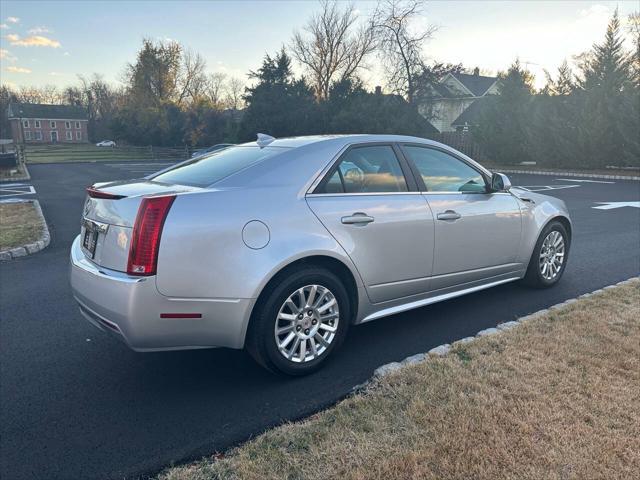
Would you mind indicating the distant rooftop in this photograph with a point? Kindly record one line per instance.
(476, 84)
(44, 111)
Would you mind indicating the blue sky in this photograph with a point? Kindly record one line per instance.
(52, 42)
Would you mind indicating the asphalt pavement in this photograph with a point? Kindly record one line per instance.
(78, 404)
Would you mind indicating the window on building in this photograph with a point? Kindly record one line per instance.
(67, 124)
(78, 135)
(69, 135)
(27, 135)
(77, 124)
(37, 123)
(38, 135)
(25, 123)
(52, 124)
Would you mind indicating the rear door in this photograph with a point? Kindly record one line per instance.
(370, 204)
(477, 232)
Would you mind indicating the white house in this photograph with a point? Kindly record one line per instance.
(455, 94)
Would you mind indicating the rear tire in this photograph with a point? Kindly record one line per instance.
(299, 321)
(549, 258)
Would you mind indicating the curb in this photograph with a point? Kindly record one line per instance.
(26, 176)
(29, 248)
(442, 350)
(568, 174)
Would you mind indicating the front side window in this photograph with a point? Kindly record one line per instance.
(52, 124)
(442, 172)
(209, 169)
(373, 169)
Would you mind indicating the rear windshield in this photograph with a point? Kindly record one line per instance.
(207, 170)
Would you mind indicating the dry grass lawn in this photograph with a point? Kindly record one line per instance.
(556, 398)
(19, 224)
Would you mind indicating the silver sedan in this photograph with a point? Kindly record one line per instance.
(280, 245)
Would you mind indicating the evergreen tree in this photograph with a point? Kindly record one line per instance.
(505, 119)
(279, 104)
(608, 104)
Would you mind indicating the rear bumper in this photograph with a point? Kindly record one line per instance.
(130, 307)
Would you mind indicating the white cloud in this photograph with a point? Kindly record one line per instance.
(14, 69)
(39, 30)
(32, 41)
(55, 74)
(13, 19)
(67, 54)
(6, 55)
(3, 26)
(595, 10)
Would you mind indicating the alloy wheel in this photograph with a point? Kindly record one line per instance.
(552, 255)
(307, 323)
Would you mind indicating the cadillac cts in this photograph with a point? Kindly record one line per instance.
(280, 245)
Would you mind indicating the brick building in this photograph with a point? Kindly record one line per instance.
(35, 123)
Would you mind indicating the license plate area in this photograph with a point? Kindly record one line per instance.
(90, 236)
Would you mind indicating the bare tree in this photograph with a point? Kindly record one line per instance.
(235, 89)
(192, 80)
(49, 94)
(401, 43)
(215, 88)
(330, 48)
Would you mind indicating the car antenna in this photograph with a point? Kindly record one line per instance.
(264, 139)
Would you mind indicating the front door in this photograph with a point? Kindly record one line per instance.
(386, 229)
(477, 232)
(54, 136)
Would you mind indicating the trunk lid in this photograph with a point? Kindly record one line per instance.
(107, 223)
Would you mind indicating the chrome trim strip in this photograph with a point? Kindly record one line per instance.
(464, 193)
(360, 194)
(427, 301)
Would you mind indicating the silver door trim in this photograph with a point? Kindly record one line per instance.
(360, 194)
(428, 301)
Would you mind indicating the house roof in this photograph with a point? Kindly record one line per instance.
(473, 113)
(39, 110)
(476, 84)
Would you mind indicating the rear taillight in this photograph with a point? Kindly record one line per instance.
(145, 240)
(95, 193)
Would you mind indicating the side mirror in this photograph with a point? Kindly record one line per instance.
(500, 182)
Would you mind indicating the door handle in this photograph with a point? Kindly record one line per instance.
(449, 215)
(357, 218)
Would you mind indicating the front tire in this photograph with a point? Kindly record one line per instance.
(300, 320)
(549, 258)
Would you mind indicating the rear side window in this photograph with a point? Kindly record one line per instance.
(373, 169)
(442, 172)
(209, 169)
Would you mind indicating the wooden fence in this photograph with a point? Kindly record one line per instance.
(91, 153)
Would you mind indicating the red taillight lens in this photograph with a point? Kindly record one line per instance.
(95, 193)
(145, 240)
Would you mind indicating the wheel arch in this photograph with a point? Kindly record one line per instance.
(334, 265)
(564, 220)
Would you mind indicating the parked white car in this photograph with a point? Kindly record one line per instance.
(106, 143)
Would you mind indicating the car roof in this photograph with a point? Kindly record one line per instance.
(294, 142)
